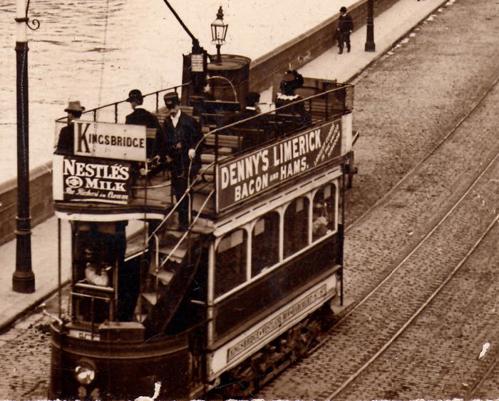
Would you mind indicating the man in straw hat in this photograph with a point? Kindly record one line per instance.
(65, 144)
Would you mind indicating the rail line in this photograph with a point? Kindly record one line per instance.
(411, 172)
(438, 224)
(417, 313)
(471, 394)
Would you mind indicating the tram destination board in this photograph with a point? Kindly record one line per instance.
(251, 174)
(108, 140)
(84, 179)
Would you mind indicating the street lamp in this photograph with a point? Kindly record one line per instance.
(218, 32)
(370, 45)
(23, 279)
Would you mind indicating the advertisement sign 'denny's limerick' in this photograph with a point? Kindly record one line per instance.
(239, 179)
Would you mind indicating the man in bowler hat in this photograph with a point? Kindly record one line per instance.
(141, 116)
(344, 29)
(181, 135)
(65, 143)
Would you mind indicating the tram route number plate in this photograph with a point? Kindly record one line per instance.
(83, 335)
(197, 63)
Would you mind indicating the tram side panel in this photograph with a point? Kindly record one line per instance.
(250, 318)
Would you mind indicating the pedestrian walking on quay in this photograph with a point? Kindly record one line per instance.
(344, 29)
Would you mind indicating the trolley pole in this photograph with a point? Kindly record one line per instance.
(370, 45)
(23, 279)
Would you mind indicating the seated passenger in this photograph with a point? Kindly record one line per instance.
(252, 109)
(65, 143)
(141, 116)
(97, 275)
(319, 221)
(291, 81)
(251, 139)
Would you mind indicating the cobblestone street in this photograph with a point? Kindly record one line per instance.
(416, 109)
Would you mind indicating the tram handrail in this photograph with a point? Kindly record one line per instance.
(187, 232)
(186, 193)
(115, 104)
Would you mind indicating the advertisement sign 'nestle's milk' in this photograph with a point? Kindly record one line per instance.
(110, 141)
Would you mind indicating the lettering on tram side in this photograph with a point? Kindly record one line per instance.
(276, 322)
(110, 141)
(86, 179)
(248, 175)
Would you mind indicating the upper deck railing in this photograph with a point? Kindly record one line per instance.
(111, 112)
(238, 152)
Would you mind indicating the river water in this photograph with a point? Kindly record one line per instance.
(97, 50)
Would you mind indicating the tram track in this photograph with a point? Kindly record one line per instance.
(490, 150)
(413, 317)
(445, 139)
(391, 296)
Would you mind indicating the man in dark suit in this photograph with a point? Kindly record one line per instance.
(65, 143)
(141, 116)
(344, 29)
(181, 135)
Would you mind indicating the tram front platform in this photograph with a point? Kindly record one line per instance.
(389, 27)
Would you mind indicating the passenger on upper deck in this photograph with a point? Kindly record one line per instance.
(65, 143)
(291, 81)
(252, 108)
(141, 116)
(181, 134)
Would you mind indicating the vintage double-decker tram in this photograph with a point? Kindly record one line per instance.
(243, 292)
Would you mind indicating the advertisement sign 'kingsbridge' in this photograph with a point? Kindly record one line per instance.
(85, 179)
(241, 178)
(110, 141)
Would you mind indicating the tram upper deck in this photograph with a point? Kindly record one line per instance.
(108, 178)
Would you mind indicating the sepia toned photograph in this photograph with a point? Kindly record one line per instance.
(249, 200)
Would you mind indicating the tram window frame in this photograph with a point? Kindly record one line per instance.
(329, 206)
(270, 242)
(226, 273)
(293, 243)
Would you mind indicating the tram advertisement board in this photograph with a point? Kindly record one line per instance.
(241, 178)
(110, 141)
(84, 179)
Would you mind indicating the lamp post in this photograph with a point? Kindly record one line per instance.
(23, 279)
(218, 32)
(370, 45)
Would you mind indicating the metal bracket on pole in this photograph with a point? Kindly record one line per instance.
(33, 24)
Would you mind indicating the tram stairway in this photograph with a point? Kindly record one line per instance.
(170, 275)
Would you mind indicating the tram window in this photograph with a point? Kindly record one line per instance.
(323, 217)
(90, 309)
(265, 244)
(230, 269)
(296, 226)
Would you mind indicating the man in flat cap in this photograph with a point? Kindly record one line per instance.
(141, 116)
(65, 143)
(181, 135)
